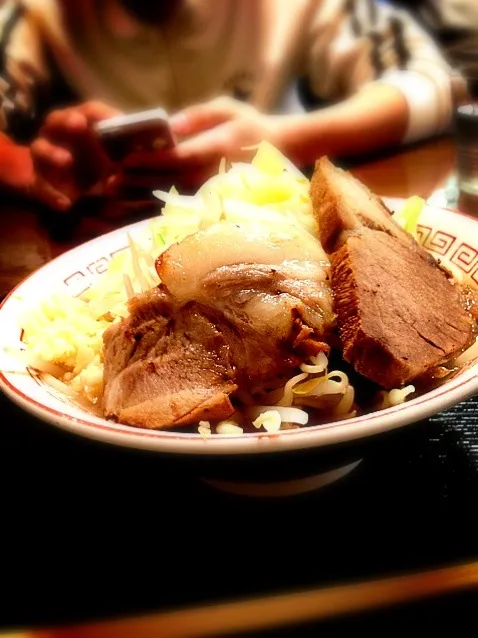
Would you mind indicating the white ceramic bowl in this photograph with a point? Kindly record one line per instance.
(451, 236)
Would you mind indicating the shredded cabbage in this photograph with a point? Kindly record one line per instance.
(270, 189)
(408, 217)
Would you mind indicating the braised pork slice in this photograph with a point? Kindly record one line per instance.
(239, 305)
(166, 366)
(398, 314)
(264, 282)
(342, 205)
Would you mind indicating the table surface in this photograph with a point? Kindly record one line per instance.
(91, 531)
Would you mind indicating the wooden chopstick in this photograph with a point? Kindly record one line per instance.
(275, 611)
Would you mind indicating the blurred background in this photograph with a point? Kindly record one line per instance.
(387, 89)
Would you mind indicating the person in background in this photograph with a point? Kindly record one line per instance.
(452, 23)
(370, 76)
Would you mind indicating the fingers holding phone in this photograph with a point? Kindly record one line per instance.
(136, 142)
(142, 132)
(86, 150)
(67, 156)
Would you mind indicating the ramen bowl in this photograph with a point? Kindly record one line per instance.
(259, 463)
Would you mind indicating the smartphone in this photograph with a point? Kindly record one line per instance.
(137, 132)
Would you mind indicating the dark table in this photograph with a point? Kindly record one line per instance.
(91, 531)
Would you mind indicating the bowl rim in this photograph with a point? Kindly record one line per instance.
(184, 443)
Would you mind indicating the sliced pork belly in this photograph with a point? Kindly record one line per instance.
(343, 205)
(398, 314)
(238, 306)
(166, 366)
(262, 281)
(293, 253)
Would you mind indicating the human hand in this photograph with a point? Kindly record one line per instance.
(220, 128)
(67, 157)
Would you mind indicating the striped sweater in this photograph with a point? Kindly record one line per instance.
(277, 54)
